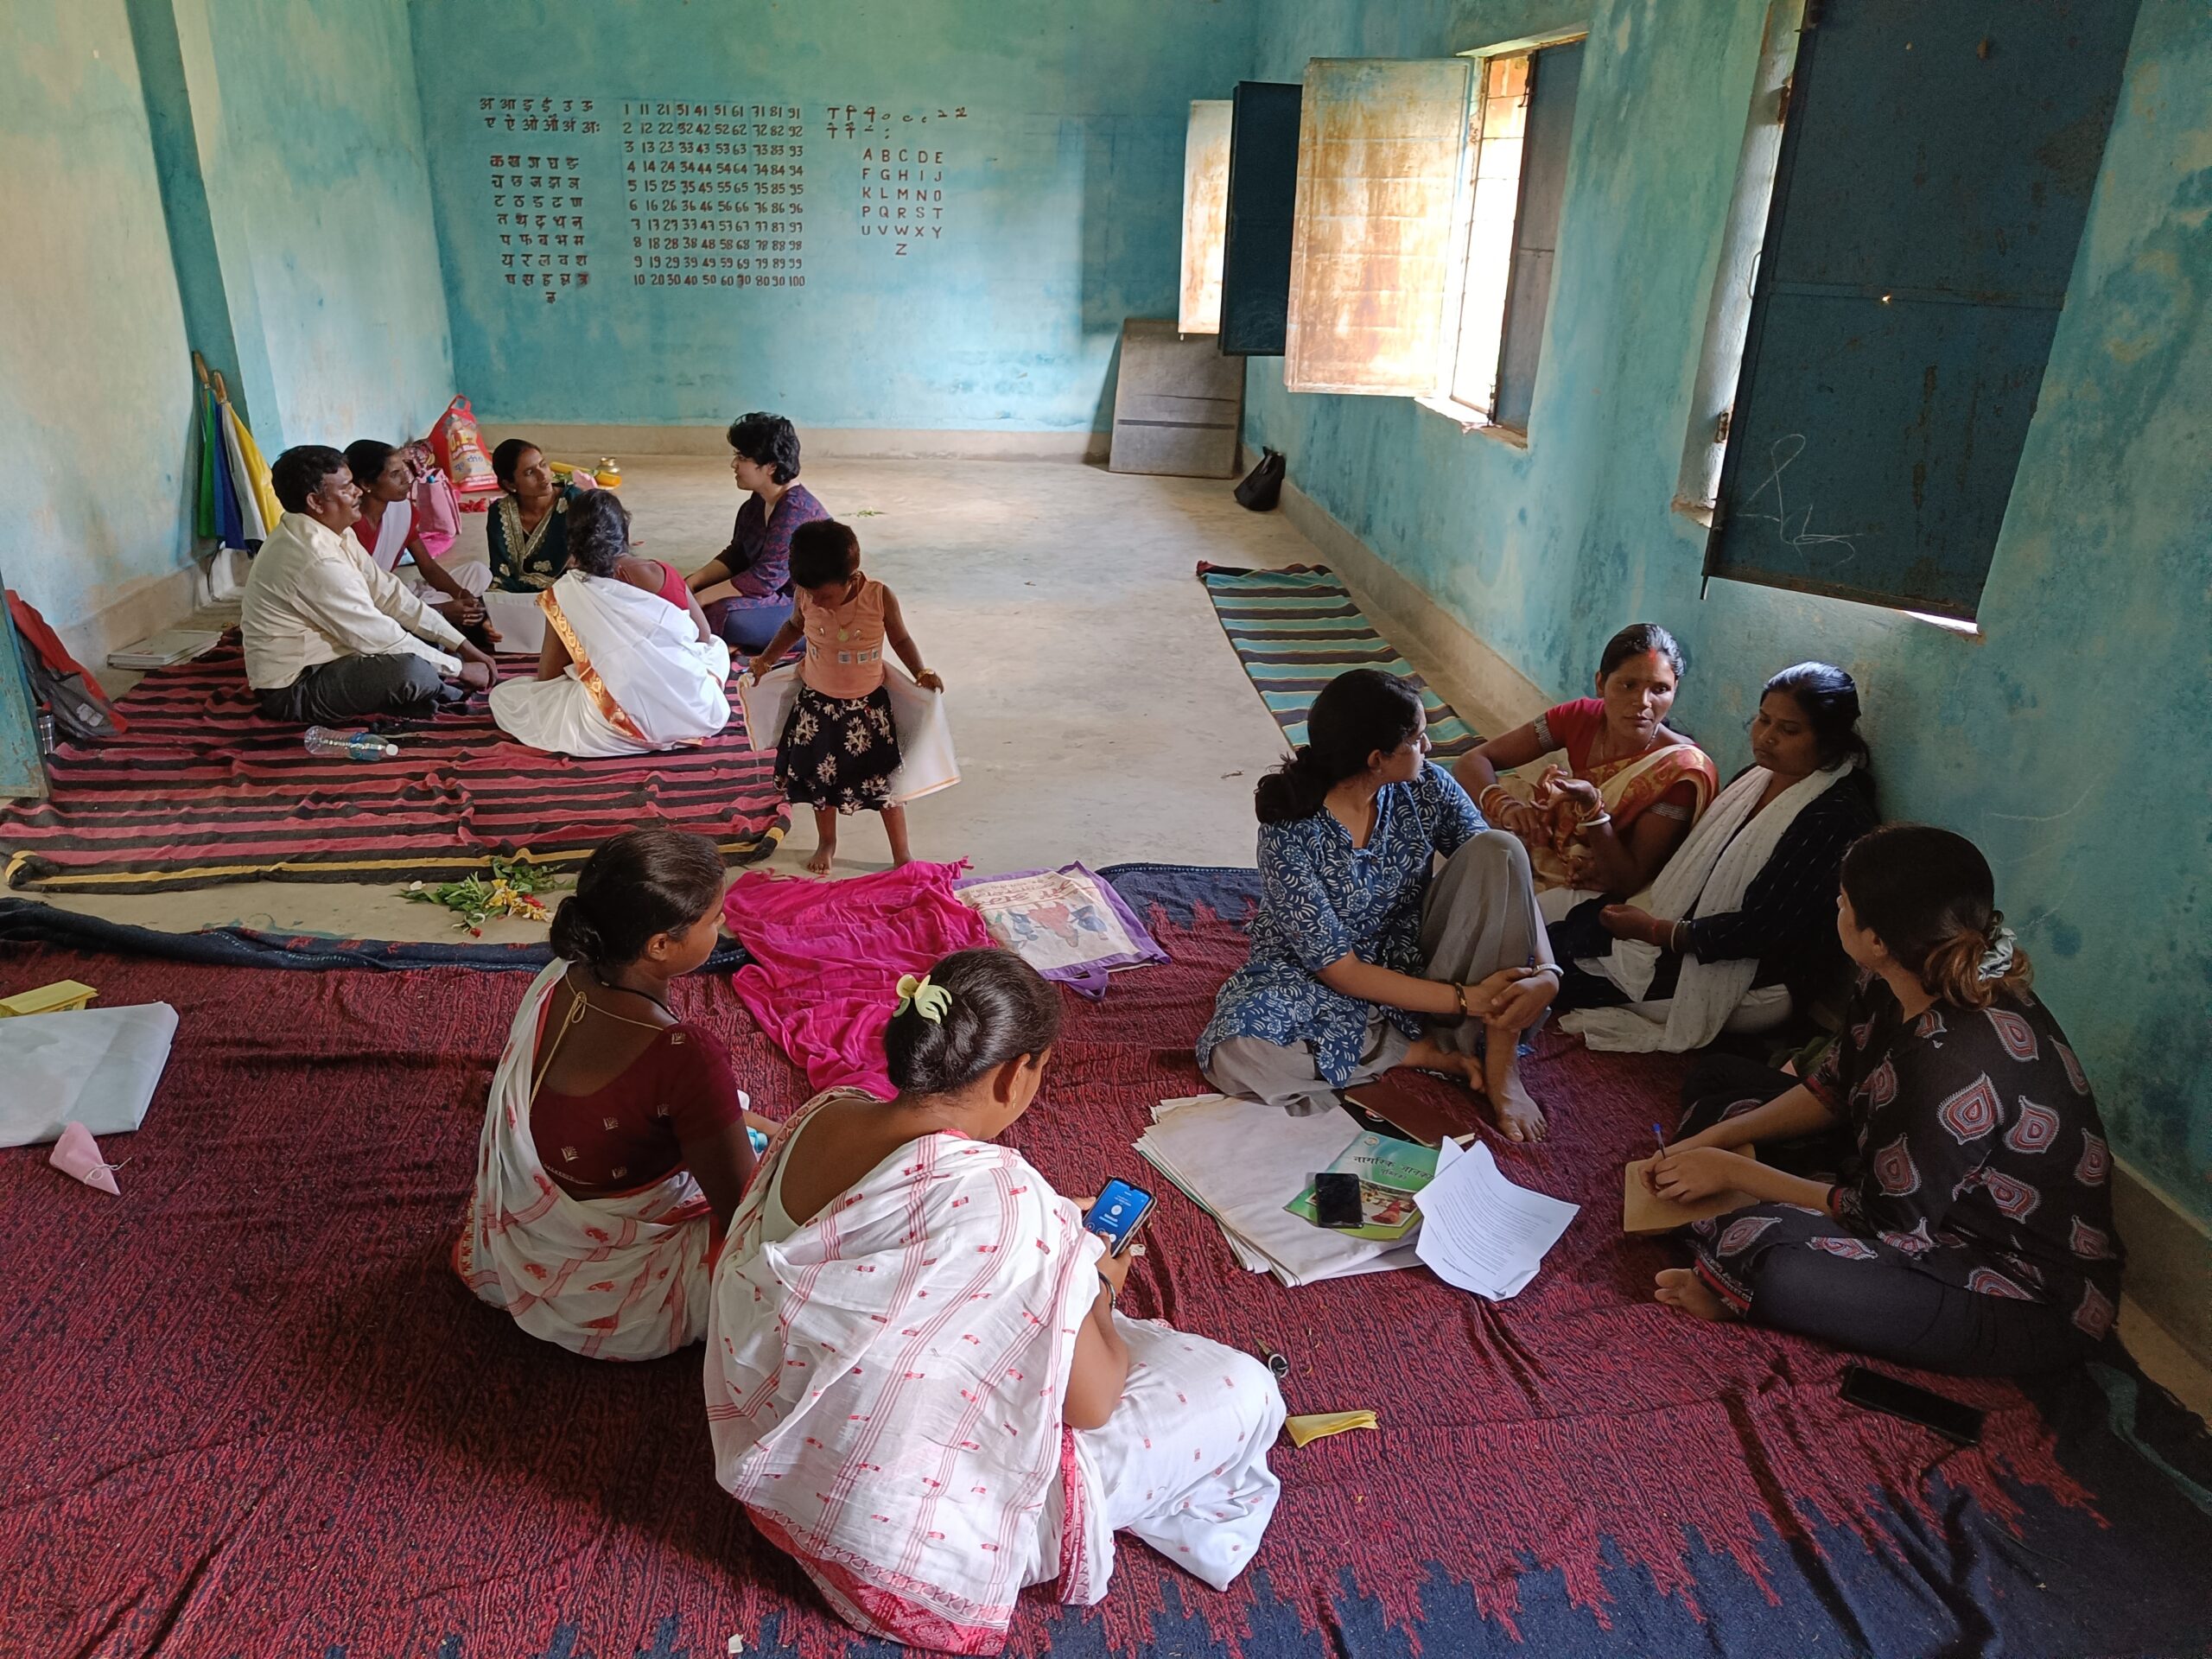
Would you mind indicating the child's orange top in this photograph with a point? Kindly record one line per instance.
(844, 645)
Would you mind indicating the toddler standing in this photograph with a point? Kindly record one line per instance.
(839, 747)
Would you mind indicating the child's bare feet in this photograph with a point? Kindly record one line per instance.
(825, 841)
(1519, 1118)
(1681, 1288)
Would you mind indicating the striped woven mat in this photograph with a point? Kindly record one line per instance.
(1296, 629)
(203, 791)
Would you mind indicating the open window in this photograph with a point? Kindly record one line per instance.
(1205, 216)
(1429, 200)
(1934, 173)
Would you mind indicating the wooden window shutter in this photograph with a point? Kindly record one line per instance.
(1934, 178)
(1380, 224)
(1206, 212)
(1262, 196)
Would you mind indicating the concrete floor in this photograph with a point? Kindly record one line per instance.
(1098, 710)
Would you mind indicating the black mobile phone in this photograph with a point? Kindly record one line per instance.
(1336, 1200)
(1876, 1392)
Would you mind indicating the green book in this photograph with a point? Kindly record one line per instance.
(1391, 1173)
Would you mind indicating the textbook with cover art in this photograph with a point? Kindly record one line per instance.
(1391, 1173)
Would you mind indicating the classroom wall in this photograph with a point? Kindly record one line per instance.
(2070, 739)
(244, 177)
(95, 386)
(311, 141)
(1060, 130)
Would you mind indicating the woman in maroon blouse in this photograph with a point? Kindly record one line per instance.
(614, 1148)
(764, 459)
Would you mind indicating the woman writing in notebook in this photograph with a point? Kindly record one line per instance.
(1360, 960)
(839, 748)
(1938, 1190)
(614, 1147)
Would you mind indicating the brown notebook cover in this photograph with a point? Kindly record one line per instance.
(1644, 1210)
(1416, 1119)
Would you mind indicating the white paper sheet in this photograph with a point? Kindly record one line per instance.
(926, 763)
(95, 1066)
(518, 621)
(1481, 1232)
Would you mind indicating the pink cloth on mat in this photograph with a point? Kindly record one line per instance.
(827, 956)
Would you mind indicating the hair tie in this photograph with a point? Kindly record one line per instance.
(1997, 960)
(928, 1000)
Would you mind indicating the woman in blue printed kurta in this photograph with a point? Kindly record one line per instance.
(1967, 1224)
(1362, 958)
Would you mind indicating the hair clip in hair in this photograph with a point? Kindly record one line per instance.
(928, 1000)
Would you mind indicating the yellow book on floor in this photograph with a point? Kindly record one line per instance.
(60, 997)
(1644, 1210)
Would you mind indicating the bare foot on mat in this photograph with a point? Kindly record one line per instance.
(1519, 1118)
(1681, 1288)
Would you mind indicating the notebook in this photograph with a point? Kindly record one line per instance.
(1644, 1210)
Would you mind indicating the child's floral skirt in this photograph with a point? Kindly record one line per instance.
(838, 751)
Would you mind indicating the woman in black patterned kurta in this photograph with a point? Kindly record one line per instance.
(1968, 1225)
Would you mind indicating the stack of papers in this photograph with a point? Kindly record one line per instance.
(1481, 1232)
(1242, 1162)
(176, 645)
(94, 1066)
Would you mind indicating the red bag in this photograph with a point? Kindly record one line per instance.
(459, 450)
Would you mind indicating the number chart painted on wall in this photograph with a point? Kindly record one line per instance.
(717, 194)
(900, 171)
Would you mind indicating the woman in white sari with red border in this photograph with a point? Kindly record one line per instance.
(629, 664)
(916, 1380)
(614, 1146)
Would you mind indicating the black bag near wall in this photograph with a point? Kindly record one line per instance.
(1263, 486)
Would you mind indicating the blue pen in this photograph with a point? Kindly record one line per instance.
(1660, 1135)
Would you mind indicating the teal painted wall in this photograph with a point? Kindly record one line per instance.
(312, 151)
(1062, 209)
(245, 176)
(2071, 740)
(95, 382)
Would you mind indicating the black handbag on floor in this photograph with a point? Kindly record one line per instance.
(1263, 486)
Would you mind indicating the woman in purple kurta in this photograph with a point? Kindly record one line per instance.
(1938, 1191)
(764, 458)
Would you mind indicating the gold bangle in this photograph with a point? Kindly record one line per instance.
(1461, 991)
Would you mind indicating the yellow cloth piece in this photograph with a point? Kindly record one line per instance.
(1320, 1425)
(264, 491)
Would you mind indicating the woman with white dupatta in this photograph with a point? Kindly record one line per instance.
(917, 1383)
(616, 1143)
(629, 664)
(1739, 930)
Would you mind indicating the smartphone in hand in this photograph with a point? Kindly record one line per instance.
(1120, 1212)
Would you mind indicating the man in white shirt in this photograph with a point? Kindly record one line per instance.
(329, 637)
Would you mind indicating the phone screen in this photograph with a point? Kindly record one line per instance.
(1876, 1392)
(1336, 1200)
(1120, 1209)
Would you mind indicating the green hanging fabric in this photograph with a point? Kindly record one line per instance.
(208, 443)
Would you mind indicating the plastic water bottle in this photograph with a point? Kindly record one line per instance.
(351, 745)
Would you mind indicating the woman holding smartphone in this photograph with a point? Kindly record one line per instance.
(917, 1383)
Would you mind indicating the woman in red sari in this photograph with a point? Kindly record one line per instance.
(1606, 821)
